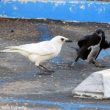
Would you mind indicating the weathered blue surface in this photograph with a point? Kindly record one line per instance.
(84, 11)
(63, 106)
(104, 53)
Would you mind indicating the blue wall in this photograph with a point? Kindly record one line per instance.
(70, 10)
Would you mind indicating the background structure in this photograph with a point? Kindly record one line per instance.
(69, 10)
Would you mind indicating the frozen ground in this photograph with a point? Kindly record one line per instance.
(18, 76)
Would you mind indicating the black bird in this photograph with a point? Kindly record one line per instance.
(91, 40)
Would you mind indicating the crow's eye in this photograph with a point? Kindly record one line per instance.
(62, 39)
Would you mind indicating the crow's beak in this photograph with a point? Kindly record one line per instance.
(68, 40)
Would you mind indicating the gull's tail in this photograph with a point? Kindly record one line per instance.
(10, 49)
(16, 49)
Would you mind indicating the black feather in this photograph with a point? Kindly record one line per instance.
(91, 40)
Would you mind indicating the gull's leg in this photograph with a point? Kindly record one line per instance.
(40, 68)
(47, 70)
(42, 72)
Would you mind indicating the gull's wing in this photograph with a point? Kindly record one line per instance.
(42, 48)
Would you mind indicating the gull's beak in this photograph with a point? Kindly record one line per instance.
(68, 40)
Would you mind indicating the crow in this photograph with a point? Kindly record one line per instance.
(91, 40)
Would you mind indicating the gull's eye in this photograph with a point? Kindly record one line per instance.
(62, 39)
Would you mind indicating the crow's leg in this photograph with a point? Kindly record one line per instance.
(81, 52)
(76, 58)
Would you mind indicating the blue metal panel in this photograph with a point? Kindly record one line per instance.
(84, 11)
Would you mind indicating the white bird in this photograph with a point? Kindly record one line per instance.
(40, 52)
